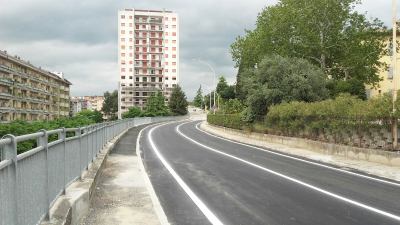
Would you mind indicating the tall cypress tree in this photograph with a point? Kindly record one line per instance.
(178, 103)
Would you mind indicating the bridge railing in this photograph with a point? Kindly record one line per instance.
(31, 182)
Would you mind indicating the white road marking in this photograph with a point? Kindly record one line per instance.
(361, 205)
(206, 211)
(302, 160)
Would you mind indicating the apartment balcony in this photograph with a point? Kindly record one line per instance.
(6, 81)
(5, 69)
(6, 95)
(132, 88)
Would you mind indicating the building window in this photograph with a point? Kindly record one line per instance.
(136, 71)
(166, 55)
(174, 56)
(122, 39)
(173, 18)
(166, 70)
(166, 63)
(130, 77)
(166, 48)
(122, 24)
(173, 26)
(122, 31)
(173, 33)
(122, 77)
(122, 16)
(122, 69)
(174, 63)
(174, 78)
(137, 79)
(166, 26)
(174, 70)
(137, 27)
(173, 41)
(173, 48)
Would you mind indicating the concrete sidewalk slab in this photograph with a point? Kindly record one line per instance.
(121, 196)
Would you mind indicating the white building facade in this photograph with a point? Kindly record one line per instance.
(148, 55)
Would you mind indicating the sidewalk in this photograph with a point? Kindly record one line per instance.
(121, 196)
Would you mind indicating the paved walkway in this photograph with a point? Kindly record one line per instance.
(121, 196)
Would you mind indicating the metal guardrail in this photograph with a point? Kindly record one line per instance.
(31, 182)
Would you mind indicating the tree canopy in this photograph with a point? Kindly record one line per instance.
(178, 103)
(328, 33)
(277, 79)
(198, 99)
(224, 90)
(110, 104)
(156, 105)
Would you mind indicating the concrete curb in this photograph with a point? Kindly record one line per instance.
(156, 202)
(71, 208)
(344, 161)
(348, 152)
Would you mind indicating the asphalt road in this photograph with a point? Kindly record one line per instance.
(203, 179)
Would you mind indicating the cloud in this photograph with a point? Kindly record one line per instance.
(79, 37)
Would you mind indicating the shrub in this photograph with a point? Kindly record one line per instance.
(227, 120)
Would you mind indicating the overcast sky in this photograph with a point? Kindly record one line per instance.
(79, 37)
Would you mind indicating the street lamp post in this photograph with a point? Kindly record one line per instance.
(212, 69)
(394, 61)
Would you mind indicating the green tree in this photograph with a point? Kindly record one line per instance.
(156, 105)
(224, 90)
(95, 115)
(198, 99)
(133, 112)
(328, 33)
(178, 103)
(110, 105)
(277, 79)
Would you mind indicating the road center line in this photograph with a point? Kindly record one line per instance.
(200, 204)
(299, 159)
(361, 205)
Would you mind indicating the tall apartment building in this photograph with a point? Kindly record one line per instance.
(148, 55)
(30, 93)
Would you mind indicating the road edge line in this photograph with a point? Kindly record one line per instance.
(294, 180)
(198, 126)
(212, 218)
(162, 217)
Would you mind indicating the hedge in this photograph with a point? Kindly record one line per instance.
(227, 120)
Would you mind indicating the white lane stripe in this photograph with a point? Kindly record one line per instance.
(361, 205)
(302, 160)
(206, 211)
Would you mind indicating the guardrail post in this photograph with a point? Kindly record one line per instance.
(63, 136)
(43, 141)
(10, 152)
(78, 133)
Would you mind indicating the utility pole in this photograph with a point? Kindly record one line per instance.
(394, 61)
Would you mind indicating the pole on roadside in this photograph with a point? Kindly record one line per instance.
(394, 61)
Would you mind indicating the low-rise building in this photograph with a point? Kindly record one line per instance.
(30, 93)
(80, 103)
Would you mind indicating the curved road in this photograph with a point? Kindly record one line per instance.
(200, 178)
